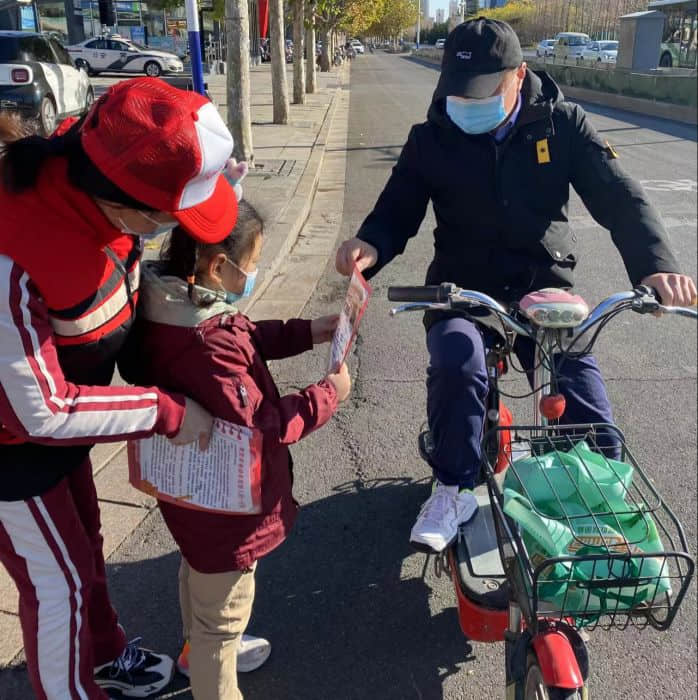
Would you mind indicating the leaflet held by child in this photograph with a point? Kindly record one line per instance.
(355, 304)
(225, 478)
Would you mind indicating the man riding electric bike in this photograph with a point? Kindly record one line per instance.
(496, 156)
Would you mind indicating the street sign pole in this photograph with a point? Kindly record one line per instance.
(197, 69)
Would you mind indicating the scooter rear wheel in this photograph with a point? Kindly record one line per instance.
(535, 688)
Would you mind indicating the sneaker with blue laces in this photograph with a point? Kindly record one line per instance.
(137, 673)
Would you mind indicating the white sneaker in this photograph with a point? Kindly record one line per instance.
(252, 653)
(440, 516)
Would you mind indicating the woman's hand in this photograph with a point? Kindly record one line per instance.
(197, 425)
(355, 252)
(323, 328)
(674, 289)
(342, 382)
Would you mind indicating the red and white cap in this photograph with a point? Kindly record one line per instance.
(168, 149)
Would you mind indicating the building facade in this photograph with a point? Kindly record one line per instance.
(424, 5)
(74, 20)
(440, 15)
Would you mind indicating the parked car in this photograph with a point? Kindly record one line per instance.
(545, 48)
(569, 45)
(357, 46)
(600, 52)
(114, 54)
(39, 80)
(440, 43)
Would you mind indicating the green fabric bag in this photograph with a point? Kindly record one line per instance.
(581, 510)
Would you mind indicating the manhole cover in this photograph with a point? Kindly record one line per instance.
(272, 167)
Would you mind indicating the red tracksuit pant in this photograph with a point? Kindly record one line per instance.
(52, 547)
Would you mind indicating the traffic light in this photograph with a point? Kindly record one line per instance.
(107, 16)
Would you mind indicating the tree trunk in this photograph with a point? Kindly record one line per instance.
(298, 59)
(238, 77)
(279, 89)
(325, 56)
(310, 79)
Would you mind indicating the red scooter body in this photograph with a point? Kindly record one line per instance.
(557, 660)
(478, 623)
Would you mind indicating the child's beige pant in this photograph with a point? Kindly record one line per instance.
(215, 611)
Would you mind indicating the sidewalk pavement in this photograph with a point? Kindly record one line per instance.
(282, 188)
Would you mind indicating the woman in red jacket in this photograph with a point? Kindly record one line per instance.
(75, 208)
(193, 340)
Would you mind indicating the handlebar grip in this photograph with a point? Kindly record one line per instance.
(429, 295)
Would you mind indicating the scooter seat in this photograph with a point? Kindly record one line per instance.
(476, 554)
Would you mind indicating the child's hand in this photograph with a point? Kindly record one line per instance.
(323, 328)
(236, 173)
(342, 382)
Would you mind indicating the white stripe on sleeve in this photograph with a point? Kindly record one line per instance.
(41, 400)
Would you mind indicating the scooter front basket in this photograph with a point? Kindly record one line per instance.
(584, 535)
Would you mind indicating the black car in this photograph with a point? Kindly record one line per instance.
(39, 80)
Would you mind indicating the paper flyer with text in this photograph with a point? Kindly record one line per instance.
(355, 304)
(225, 478)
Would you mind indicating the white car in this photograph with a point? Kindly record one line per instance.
(569, 45)
(545, 48)
(440, 43)
(115, 54)
(600, 52)
(357, 46)
(38, 80)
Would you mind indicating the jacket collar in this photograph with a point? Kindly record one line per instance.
(165, 299)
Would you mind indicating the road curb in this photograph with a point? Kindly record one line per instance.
(295, 213)
(636, 105)
(295, 280)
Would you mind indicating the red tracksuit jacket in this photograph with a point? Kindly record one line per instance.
(68, 287)
(218, 358)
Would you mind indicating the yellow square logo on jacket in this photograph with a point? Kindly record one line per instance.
(542, 151)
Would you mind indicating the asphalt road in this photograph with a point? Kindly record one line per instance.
(346, 603)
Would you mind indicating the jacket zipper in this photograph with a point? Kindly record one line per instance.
(243, 395)
(497, 184)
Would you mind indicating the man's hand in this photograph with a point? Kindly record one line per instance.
(674, 289)
(197, 425)
(355, 251)
(323, 328)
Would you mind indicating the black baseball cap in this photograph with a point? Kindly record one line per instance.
(477, 53)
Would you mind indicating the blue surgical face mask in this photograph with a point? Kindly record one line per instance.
(250, 279)
(160, 227)
(476, 116)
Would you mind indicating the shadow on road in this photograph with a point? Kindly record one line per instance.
(346, 619)
(349, 618)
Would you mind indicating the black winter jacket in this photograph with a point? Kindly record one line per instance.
(501, 209)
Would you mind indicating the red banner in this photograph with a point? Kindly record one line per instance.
(263, 18)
